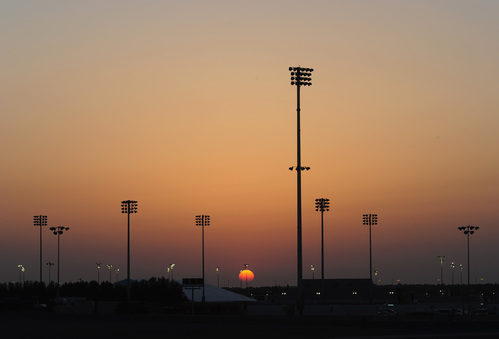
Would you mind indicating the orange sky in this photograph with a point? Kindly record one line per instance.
(187, 108)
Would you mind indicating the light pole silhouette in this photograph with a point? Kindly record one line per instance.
(461, 273)
(59, 230)
(50, 264)
(128, 207)
(170, 271)
(467, 231)
(312, 269)
(322, 205)
(99, 265)
(442, 259)
(300, 76)
(110, 268)
(40, 221)
(203, 220)
(21, 273)
(370, 220)
(217, 269)
(452, 267)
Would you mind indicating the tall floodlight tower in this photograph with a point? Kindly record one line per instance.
(40, 221)
(202, 220)
(128, 207)
(300, 76)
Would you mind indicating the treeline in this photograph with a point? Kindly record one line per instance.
(159, 290)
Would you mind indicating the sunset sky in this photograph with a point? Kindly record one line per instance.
(187, 107)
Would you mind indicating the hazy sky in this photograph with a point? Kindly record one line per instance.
(187, 107)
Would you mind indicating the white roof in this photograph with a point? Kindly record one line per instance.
(214, 294)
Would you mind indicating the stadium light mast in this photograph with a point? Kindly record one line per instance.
(59, 230)
(300, 76)
(322, 205)
(128, 207)
(370, 220)
(467, 231)
(40, 221)
(203, 220)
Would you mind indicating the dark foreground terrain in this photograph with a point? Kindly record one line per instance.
(36, 324)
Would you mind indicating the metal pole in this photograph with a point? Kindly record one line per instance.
(468, 260)
(441, 273)
(322, 245)
(300, 300)
(128, 257)
(370, 253)
(41, 275)
(202, 245)
(50, 267)
(58, 257)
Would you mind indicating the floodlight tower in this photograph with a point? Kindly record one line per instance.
(322, 205)
(40, 221)
(128, 207)
(468, 230)
(203, 220)
(300, 76)
(58, 230)
(370, 220)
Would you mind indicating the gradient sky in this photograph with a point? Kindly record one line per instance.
(186, 106)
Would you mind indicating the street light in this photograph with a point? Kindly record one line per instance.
(468, 230)
(217, 269)
(50, 264)
(461, 268)
(40, 221)
(312, 268)
(21, 273)
(58, 230)
(322, 205)
(128, 207)
(452, 268)
(442, 259)
(170, 271)
(110, 268)
(300, 76)
(99, 265)
(203, 220)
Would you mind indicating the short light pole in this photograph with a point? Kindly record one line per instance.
(59, 230)
(40, 221)
(442, 259)
(452, 267)
(203, 220)
(322, 205)
(468, 230)
(461, 268)
(117, 274)
(312, 269)
(110, 268)
(50, 264)
(300, 76)
(99, 265)
(21, 273)
(170, 270)
(217, 269)
(376, 274)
